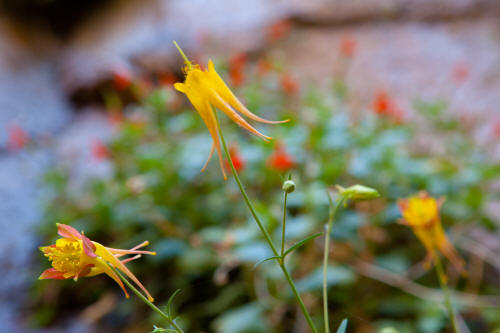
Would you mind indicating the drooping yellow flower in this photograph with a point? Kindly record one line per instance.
(421, 213)
(74, 255)
(205, 89)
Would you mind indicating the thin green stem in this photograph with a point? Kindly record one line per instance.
(265, 233)
(145, 300)
(333, 211)
(444, 287)
(284, 226)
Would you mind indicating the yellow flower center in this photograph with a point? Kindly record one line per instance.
(66, 256)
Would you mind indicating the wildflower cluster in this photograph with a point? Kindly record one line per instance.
(198, 225)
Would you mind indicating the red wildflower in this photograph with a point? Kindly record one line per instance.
(236, 68)
(347, 46)
(384, 105)
(99, 150)
(278, 30)
(122, 78)
(280, 160)
(289, 85)
(17, 138)
(238, 161)
(381, 103)
(460, 72)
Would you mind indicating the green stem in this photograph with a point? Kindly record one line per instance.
(265, 233)
(145, 300)
(333, 211)
(444, 287)
(284, 227)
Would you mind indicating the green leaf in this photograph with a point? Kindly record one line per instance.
(264, 260)
(342, 327)
(302, 242)
(169, 303)
(247, 318)
(161, 330)
(335, 275)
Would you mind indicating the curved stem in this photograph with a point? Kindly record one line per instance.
(145, 300)
(333, 210)
(447, 298)
(265, 233)
(284, 226)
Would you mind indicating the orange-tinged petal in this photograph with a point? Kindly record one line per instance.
(111, 259)
(67, 231)
(212, 149)
(51, 273)
(446, 248)
(214, 132)
(180, 87)
(207, 115)
(102, 267)
(219, 103)
(84, 271)
(227, 95)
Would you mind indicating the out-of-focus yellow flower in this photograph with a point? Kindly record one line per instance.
(75, 255)
(421, 213)
(205, 89)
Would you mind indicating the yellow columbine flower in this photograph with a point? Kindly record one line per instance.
(205, 89)
(75, 256)
(421, 213)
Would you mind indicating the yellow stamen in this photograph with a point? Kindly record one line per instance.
(65, 256)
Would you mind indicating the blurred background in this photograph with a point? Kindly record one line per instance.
(400, 95)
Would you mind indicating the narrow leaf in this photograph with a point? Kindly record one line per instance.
(169, 303)
(264, 260)
(302, 242)
(162, 330)
(342, 327)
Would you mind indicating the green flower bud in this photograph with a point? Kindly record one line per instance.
(288, 186)
(358, 192)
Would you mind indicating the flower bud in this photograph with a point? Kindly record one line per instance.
(288, 186)
(358, 192)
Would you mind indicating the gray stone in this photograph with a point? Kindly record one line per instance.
(74, 148)
(140, 33)
(321, 12)
(408, 60)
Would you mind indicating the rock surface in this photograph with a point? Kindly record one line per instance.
(458, 62)
(140, 33)
(331, 12)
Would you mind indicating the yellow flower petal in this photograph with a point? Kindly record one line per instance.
(206, 89)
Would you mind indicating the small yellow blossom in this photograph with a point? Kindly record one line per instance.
(421, 213)
(74, 255)
(205, 89)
